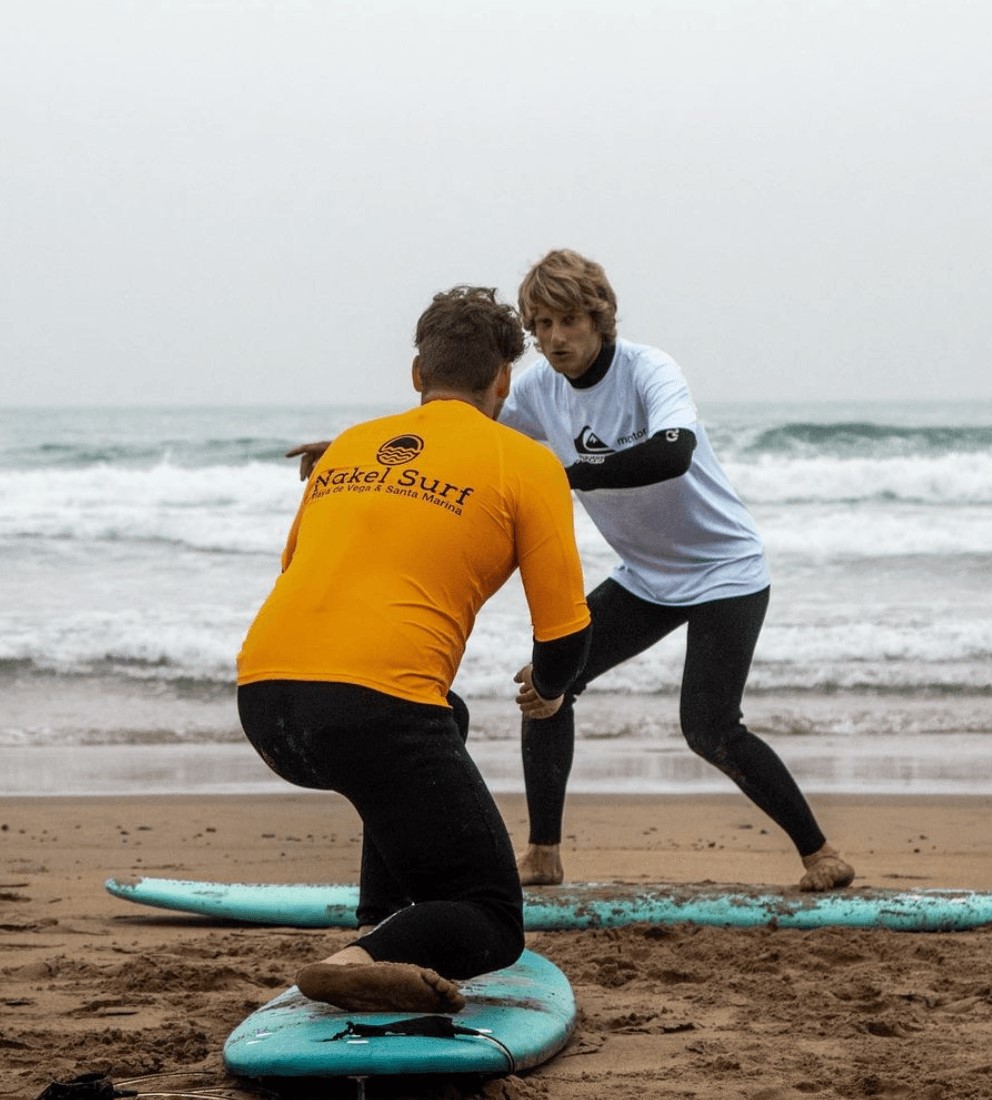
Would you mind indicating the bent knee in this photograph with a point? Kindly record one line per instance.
(712, 742)
(509, 949)
(508, 942)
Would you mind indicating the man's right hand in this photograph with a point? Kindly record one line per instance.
(309, 455)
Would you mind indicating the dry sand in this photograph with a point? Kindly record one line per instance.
(94, 983)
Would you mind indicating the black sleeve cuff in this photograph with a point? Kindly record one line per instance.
(557, 664)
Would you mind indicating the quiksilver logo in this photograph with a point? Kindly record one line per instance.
(588, 443)
(400, 449)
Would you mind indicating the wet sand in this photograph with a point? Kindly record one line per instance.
(91, 982)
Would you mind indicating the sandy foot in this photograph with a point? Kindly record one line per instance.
(380, 986)
(541, 865)
(825, 870)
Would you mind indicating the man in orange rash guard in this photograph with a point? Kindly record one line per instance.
(408, 524)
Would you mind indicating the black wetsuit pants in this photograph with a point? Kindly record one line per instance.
(432, 832)
(720, 642)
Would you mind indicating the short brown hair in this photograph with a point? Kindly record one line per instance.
(569, 283)
(464, 336)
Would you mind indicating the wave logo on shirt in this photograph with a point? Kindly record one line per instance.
(588, 443)
(400, 449)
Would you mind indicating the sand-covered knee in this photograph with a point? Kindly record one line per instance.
(380, 986)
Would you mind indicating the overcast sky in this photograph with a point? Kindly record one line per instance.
(251, 201)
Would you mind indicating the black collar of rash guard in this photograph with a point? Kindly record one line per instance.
(597, 369)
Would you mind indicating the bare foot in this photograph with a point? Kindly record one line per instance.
(541, 865)
(825, 870)
(380, 986)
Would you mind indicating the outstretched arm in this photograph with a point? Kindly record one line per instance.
(665, 455)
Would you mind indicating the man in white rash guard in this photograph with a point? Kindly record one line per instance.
(620, 418)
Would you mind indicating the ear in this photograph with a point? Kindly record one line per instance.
(503, 381)
(418, 382)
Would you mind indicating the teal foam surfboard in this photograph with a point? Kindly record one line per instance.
(591, 905)
(513, 1019)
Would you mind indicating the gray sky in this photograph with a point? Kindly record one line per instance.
(251, 201)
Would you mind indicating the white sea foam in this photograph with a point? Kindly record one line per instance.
(943, 480)
(233, 509)
(135, 548)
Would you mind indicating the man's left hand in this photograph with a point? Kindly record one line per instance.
(531, 704)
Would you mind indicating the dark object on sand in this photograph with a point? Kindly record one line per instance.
(87, 1086)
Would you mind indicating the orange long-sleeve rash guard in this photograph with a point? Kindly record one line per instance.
(408, 525)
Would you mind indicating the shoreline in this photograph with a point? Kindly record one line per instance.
(914, 765)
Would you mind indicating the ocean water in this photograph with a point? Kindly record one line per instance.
(137, 544)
